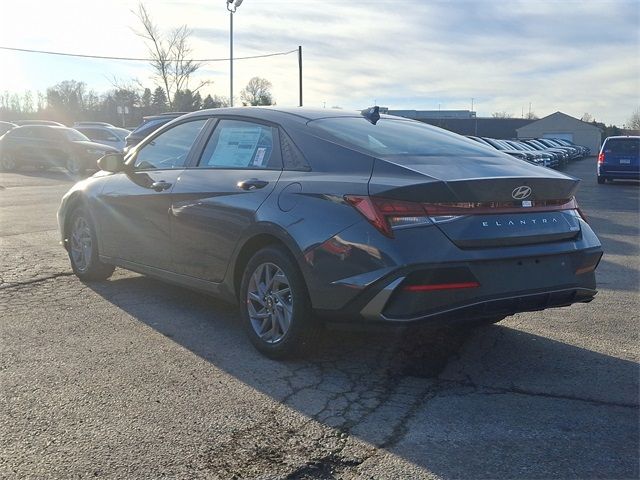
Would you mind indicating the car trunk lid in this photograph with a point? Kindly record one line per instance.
(484, 201)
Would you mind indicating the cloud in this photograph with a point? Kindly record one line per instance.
(572, 56)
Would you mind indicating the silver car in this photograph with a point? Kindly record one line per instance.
(112, 136)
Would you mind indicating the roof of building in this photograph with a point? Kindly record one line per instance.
(559, 116)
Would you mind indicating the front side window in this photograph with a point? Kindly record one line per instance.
(171, 148)
(239, 144)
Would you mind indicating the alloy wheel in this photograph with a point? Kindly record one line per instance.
(81, 245)
(73, 165)
(270, 303)
(7, 163)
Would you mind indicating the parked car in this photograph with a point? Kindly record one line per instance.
(563, 155)
(584, 151)
(5, 127)
(44, 146)
(149, 124)
(92, 124)
(542, 158)
(50, 123)
(619, 158)
(508, 149)
(574, 152)
(299, 214)
(114, 137)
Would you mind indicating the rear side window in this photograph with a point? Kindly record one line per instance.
(239, 144)
(396, 137)
(623, 146)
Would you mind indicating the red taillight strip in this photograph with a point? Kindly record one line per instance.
(440, 286)
(475, 208)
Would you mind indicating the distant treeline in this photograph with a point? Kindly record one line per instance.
(71, 101)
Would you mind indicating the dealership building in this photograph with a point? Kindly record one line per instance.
(561, 125)
(465, 122)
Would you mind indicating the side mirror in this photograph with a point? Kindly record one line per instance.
(112, 162)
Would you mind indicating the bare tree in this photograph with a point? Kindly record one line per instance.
(634, 120)
(587, 117)
(531, 116)
(501, 115)
(170, 55)
(257, 92)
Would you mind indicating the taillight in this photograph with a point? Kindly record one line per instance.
(384, 213)
(601, 158)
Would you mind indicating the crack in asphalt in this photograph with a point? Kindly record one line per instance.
(54, 276)
(491, 390)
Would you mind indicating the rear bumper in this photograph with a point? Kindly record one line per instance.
(504, 287)
(632, 172)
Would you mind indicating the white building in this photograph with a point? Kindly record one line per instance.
(561, 125)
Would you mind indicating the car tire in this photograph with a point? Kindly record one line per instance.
(601, 180)
(275, 305)
(7, 163)
(83, 248)
(74, 165)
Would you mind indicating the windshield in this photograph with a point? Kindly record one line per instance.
(396, 137)
(75, 135)
(120, 132)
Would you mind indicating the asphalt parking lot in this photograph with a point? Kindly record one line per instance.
(133, 378)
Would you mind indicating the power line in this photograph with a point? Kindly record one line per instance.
(102, 57)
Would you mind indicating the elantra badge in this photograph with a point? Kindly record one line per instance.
(521, 192)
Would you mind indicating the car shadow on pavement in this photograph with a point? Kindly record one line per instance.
(535, 403)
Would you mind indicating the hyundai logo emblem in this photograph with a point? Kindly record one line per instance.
(521, 192)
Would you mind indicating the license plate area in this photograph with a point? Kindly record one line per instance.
(625, 161)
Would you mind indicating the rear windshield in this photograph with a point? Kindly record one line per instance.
(623, 146)
(150, 125)
(74, 135)
(397, 137)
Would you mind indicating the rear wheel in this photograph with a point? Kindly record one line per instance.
(83, 248)
(74, 165)
(601, 180)
(7, 162)
(275, 305)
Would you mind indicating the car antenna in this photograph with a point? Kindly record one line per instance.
(372, 114)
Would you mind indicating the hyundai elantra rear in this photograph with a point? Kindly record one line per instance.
(308, 215)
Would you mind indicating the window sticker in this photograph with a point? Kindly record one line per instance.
(258, 160)
(236, 147)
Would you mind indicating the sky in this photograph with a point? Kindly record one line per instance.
(562, 55)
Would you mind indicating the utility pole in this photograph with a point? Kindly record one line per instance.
(300, 70)
(472, 103)
(232, 6)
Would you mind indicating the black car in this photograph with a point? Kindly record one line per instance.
(301, 215)
(44, 146)
(149, 125)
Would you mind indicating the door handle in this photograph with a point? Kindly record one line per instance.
(252, 184)
(160, 186)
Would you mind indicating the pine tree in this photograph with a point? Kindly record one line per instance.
(159, 101)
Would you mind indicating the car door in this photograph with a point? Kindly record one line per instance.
(216, 199)
(133, 207)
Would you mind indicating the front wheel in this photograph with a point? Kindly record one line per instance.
(275, 304)
(83, 248)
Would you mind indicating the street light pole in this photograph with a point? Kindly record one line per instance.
(232, 6)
